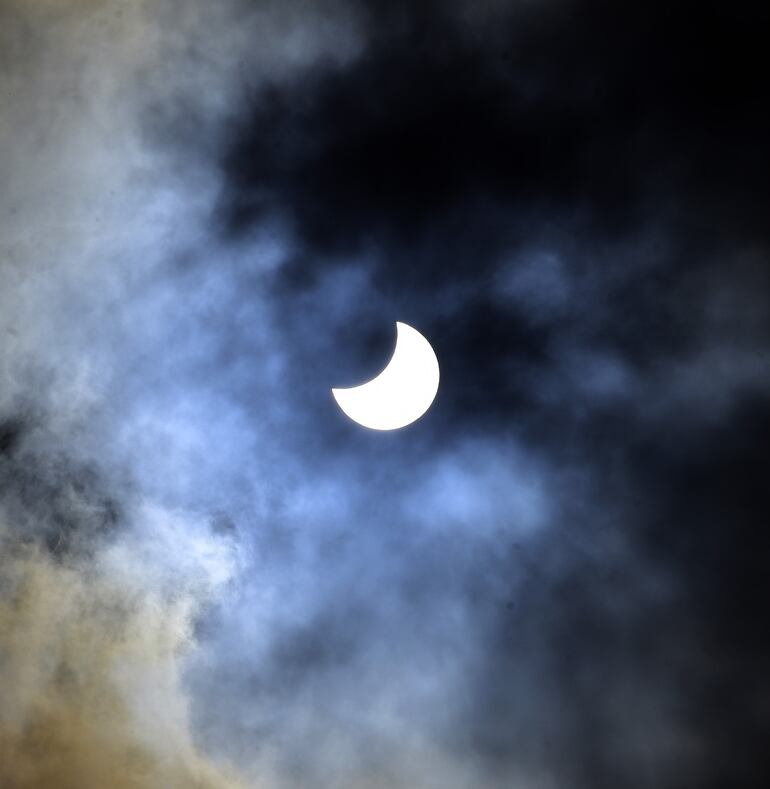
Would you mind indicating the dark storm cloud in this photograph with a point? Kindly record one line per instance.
(570, 199)
(591, 109)
(590, 128)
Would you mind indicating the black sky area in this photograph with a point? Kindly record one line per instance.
(631, 140)
(448, 146)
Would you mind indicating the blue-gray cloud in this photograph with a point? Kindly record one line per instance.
(552, 579)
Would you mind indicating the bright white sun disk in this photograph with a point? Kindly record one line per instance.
(402, 392)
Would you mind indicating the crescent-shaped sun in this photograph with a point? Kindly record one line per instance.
(402, 392)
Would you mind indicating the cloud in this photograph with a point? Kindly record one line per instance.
(95, 620)
(216, 212)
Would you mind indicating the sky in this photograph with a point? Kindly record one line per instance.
(213, 213)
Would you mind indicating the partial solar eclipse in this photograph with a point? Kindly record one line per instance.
(402, 392)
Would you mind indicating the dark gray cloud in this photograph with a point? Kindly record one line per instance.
(614, 138)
